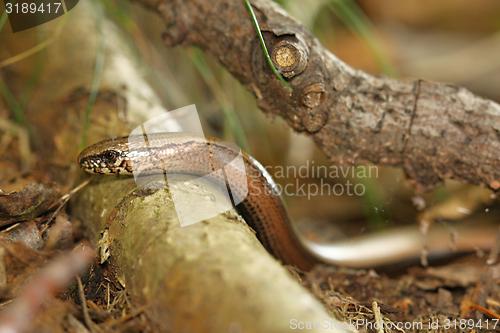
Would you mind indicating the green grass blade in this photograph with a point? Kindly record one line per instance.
(94, 86)
(198, 60)
(3, 19)
(354, 18)
(373, 204)
(269, 61)
(282, 3)
(13, 104)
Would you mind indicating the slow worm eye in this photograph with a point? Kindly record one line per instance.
(111, 155)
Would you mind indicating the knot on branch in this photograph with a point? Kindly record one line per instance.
(290, 56)
(313, 95)
(314, 117)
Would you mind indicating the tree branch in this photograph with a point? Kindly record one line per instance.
(434, 131)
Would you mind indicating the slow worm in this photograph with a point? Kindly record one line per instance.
(262, 206)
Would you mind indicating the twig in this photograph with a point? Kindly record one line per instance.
(86, 317)
(482, 309)
(18, 316)
(379, 322)
(64, 200)
(127, 317)
(492, 302)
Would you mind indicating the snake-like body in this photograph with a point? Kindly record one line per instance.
(262, 206)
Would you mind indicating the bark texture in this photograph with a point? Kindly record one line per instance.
(432, 130)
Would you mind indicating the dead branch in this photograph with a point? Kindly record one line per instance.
(432, 130)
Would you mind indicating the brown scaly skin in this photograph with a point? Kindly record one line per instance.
(261, 205)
